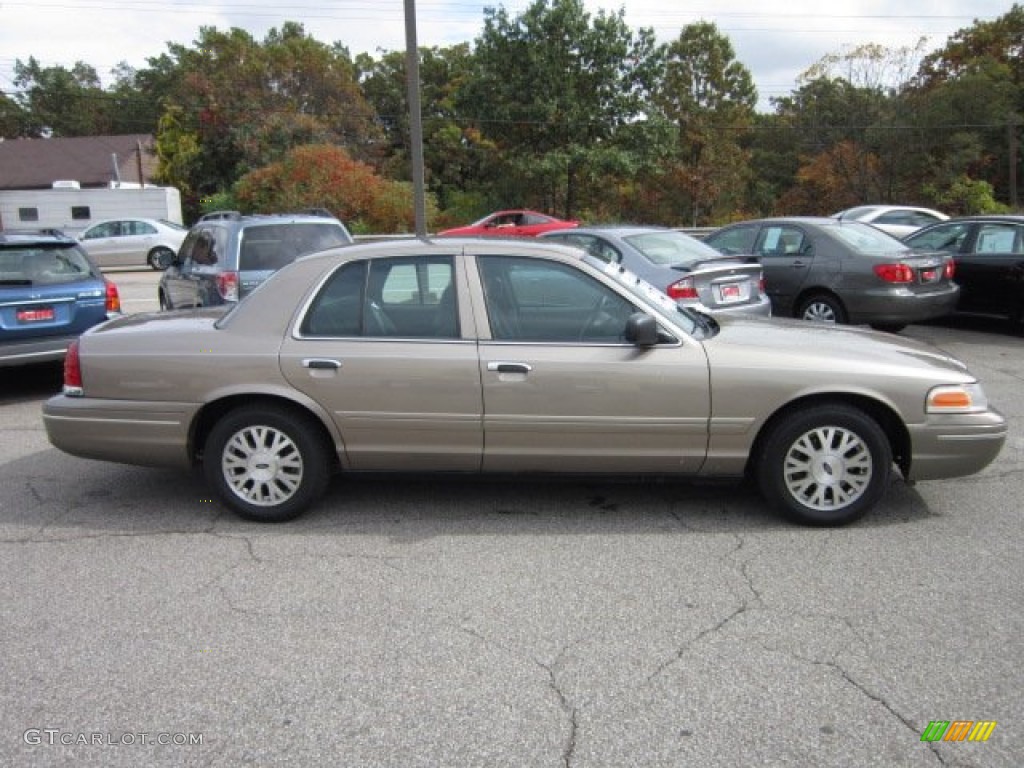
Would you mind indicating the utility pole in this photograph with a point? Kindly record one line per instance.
(1013, 162)
(412, 73)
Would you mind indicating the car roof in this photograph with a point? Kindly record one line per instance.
(1008, 217)
(613, 229)
(35, 236)
(512, 246)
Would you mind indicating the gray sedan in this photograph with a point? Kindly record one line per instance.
(512, 356)
(686, 269)
(839, 271)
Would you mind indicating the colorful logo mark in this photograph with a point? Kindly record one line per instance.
(958, 730)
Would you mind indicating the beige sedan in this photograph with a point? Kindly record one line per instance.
(507, 356)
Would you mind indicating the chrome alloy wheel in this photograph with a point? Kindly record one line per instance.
(262, 465)
(828, 468)
(821, 311)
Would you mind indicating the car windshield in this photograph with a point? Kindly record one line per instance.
(43, 265)
(670, 248)
(866, 238)
(688, 320)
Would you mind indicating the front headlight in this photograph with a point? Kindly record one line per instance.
(956, 398)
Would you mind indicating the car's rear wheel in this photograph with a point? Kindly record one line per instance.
(267, 463)
(160, 258)
(826, 465)
(823, 308)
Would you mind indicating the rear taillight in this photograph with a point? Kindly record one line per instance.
(227, 286)
(895, 273)
(682, 289)
(113, 299)
(72, 371)
(949, 269)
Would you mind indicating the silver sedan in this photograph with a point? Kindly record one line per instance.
(512, 356)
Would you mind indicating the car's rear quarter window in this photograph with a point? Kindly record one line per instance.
(273, 246)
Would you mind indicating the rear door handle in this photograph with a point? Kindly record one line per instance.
(321, 364)
(507, 367)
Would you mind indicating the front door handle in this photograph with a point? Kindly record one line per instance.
(508, 367)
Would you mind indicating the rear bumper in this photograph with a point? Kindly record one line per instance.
(955, 445)
(42, 350)
(129, 432)
(898, 306)
(763, 308)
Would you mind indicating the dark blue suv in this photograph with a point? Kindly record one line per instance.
(50, 292)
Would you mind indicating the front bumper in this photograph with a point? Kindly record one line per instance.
(955, 445)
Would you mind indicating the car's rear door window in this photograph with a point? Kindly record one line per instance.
(400, 297)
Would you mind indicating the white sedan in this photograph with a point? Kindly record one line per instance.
(133, 242)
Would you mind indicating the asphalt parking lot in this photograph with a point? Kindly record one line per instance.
(422, 621)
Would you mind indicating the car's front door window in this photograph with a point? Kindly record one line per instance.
(547, 301)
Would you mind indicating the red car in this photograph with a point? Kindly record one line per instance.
(518, 223)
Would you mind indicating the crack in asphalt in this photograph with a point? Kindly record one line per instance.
(744, 606)
(569, 743)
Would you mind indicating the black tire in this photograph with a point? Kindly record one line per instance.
(827, 465)
(162, 298)
(823, 308)
(267, 463)
(160, 258)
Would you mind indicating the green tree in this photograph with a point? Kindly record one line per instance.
(970, 93)
(710, 97)
(455, 155)
(13, 120)
(62, 102)
(243, 103)
(556, 90)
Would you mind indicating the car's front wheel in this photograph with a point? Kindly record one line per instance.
(826, 465)
(267, 463)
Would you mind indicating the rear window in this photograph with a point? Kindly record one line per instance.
(43, 265)
(271, 246)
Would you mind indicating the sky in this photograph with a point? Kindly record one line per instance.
(776, 40)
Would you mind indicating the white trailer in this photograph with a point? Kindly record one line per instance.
(69, 208)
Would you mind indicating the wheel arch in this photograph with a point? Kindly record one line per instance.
(213, 411)
(887, 418)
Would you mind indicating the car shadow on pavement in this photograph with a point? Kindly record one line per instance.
(49, 495)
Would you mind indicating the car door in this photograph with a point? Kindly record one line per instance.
(991, 271)
(190, 280)
(403, 388)
(105, 244)
(787, 258)
(563, 391)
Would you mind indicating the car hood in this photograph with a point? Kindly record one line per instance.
(838, 352)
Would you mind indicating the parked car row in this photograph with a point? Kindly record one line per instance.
(840, 269)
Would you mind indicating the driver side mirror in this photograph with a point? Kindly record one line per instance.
(642, 330)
